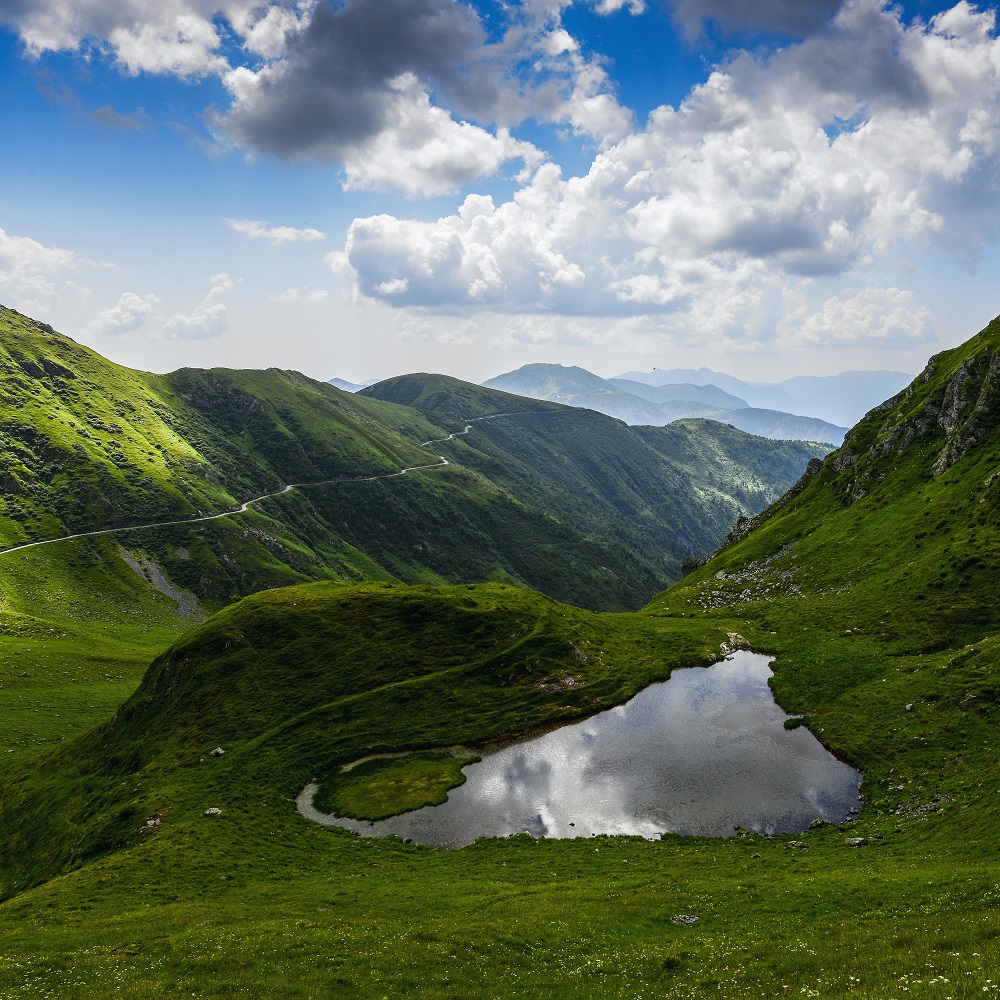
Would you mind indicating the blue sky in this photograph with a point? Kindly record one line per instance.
(359, 188)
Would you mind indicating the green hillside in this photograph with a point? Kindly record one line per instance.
(88, 445)
(873, 581)
(294, 682)
(662, 492)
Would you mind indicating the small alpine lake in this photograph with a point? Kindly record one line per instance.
(700, 753)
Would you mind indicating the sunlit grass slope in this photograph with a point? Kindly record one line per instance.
(78, 628)
(873, 582)
(587, 514)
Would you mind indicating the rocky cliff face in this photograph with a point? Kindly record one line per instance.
(949, 409)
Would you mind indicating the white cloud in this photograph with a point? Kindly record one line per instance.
(179, 37)
(484, 256)
(613, 6)
(29, 272)
(129, 314)
(277, 235)
(185, 45)
(301, 295)
(775, 172)
(355, 88)
(394, 286)
(884, 317)
(590, 106)
(209, 319)
(265, 32)
(422, 150)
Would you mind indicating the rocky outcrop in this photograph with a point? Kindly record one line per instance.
(957, 414)
(969, 410)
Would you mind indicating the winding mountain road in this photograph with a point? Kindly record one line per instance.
(440, 464)
(242, 508)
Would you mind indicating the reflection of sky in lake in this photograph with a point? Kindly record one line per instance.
(700, 753)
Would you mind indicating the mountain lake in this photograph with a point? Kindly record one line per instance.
(701, 753)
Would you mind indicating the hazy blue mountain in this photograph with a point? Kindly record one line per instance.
(703, 376)
(341, 383)
(711, 395)
(659, 405)
(573, 386)
(783, 426)
(557, 383)
(844, 398)
(839, 399)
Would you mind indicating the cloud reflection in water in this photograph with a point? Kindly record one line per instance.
(700, 753)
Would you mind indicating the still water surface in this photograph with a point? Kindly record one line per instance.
(700, 753)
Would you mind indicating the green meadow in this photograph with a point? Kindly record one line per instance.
(134, 861)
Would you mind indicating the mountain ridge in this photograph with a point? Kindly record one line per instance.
(840, 399)
(91, 445)
(659, 405)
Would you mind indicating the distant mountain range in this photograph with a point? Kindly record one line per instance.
(341, 383)
(638, 401)
(839, 399)
(806, 407)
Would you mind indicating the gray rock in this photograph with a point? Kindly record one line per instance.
(685, 918)
(855, 841)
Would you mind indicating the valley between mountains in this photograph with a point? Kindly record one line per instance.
(168, 689)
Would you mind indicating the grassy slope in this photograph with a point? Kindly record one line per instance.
(734, 473)
(876, 593)
(88, 444)
(661, 491)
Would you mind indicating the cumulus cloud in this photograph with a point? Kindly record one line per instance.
(332, 91)
(181, 37)
(129, 314)
(265, 30)
(412, 94)
(30, 271)
(777, 170)
(176, 36)
(483, 256)
(422, 150)
(210, 317)
(417, 95)
(276, 235)
(883, 317)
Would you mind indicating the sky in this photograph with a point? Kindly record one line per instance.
(363, 188)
